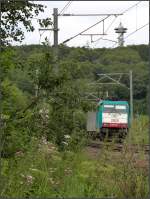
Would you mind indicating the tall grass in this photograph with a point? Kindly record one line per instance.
(139, 131)
(44, 171)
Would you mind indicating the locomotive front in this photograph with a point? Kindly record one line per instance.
(112, 116)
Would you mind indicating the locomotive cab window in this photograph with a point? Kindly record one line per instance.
(115, 109)
(109, 108)
(121, 109)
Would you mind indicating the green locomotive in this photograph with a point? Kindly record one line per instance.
(111, 118)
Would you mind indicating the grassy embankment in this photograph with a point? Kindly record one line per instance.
(44, 171)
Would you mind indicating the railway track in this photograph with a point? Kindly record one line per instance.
(136, 148)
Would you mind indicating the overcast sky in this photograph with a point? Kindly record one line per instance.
(70, 26)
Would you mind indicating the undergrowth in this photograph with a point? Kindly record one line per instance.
(45, 171)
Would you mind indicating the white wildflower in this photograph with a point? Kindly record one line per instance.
(68, 171)
(46, 111)
(51, 180)
(51, 170)
(40, 111)
(67, 136)
(65, 143)
(44, 140)
(33, 169)
(19, 153)
(29, 179)
(47, 116)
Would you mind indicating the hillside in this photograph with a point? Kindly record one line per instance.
(44, 107)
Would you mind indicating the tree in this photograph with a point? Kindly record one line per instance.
(14, 15)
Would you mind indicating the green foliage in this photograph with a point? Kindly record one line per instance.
(56, 166)
(13, 97)
(142, 50)
(6, 62)
(16, 14)
(139, 132)
(121, 55)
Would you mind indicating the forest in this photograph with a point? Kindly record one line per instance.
(37, 99)
(44, 104)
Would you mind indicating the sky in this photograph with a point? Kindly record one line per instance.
(133, 19)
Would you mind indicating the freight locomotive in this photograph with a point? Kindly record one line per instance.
(111, 118)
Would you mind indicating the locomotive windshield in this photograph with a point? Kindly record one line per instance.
(115, 109)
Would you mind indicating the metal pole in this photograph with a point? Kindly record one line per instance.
(103, 27)
(1, 130)
(131, 96)
(55, 14)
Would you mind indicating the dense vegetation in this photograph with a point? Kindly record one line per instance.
(38, 100)
(45, 109)
(45, 171)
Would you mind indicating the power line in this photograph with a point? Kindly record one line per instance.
(111, 24)
(135, 5)
(131, 7)
(83, 15)
(69, 3)
(136, 30)
(105, 31)
(110, 40)
(65, 7)
(108, 15)
(85, 29)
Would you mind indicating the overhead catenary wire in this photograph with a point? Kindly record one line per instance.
(61, 12)
(107, 28)
(133, 31)
(109, 40)
(101, 38)
(69, 3)
(85, 30)
(135, 5)
(131, 7)
(136, 30)
(65, 7)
